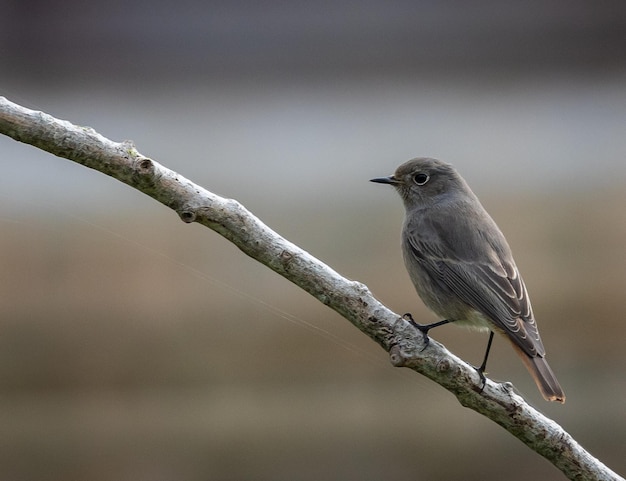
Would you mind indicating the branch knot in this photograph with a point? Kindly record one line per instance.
(187, 216)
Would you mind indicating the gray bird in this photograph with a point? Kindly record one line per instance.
(462, 266)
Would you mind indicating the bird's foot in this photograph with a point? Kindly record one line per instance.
(481, 374)
(481, 369)
(423, 328)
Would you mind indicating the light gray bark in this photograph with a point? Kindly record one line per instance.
(351, 299)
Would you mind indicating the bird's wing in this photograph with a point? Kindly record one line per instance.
(487, 282)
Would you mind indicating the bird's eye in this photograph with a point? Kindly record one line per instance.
(421, 179)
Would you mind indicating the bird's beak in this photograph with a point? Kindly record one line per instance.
(385, 180)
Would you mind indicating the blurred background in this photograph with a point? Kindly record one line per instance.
(133, 346)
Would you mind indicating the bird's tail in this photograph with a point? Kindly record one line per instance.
(542, 374)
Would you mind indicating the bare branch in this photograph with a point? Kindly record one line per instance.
(351, 299)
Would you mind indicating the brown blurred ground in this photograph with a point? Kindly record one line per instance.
(133, 349)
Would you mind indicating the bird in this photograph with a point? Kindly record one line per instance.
(462, 266)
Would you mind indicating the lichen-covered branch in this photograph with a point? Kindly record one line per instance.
(351, 299)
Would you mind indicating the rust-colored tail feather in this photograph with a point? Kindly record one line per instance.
(544, 377)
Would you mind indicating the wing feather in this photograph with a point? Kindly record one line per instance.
(489, 284)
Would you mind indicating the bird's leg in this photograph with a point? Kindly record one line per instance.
(481, 369)
(424, 328)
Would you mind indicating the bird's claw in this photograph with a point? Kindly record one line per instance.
(481, 374)
(420, 327)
